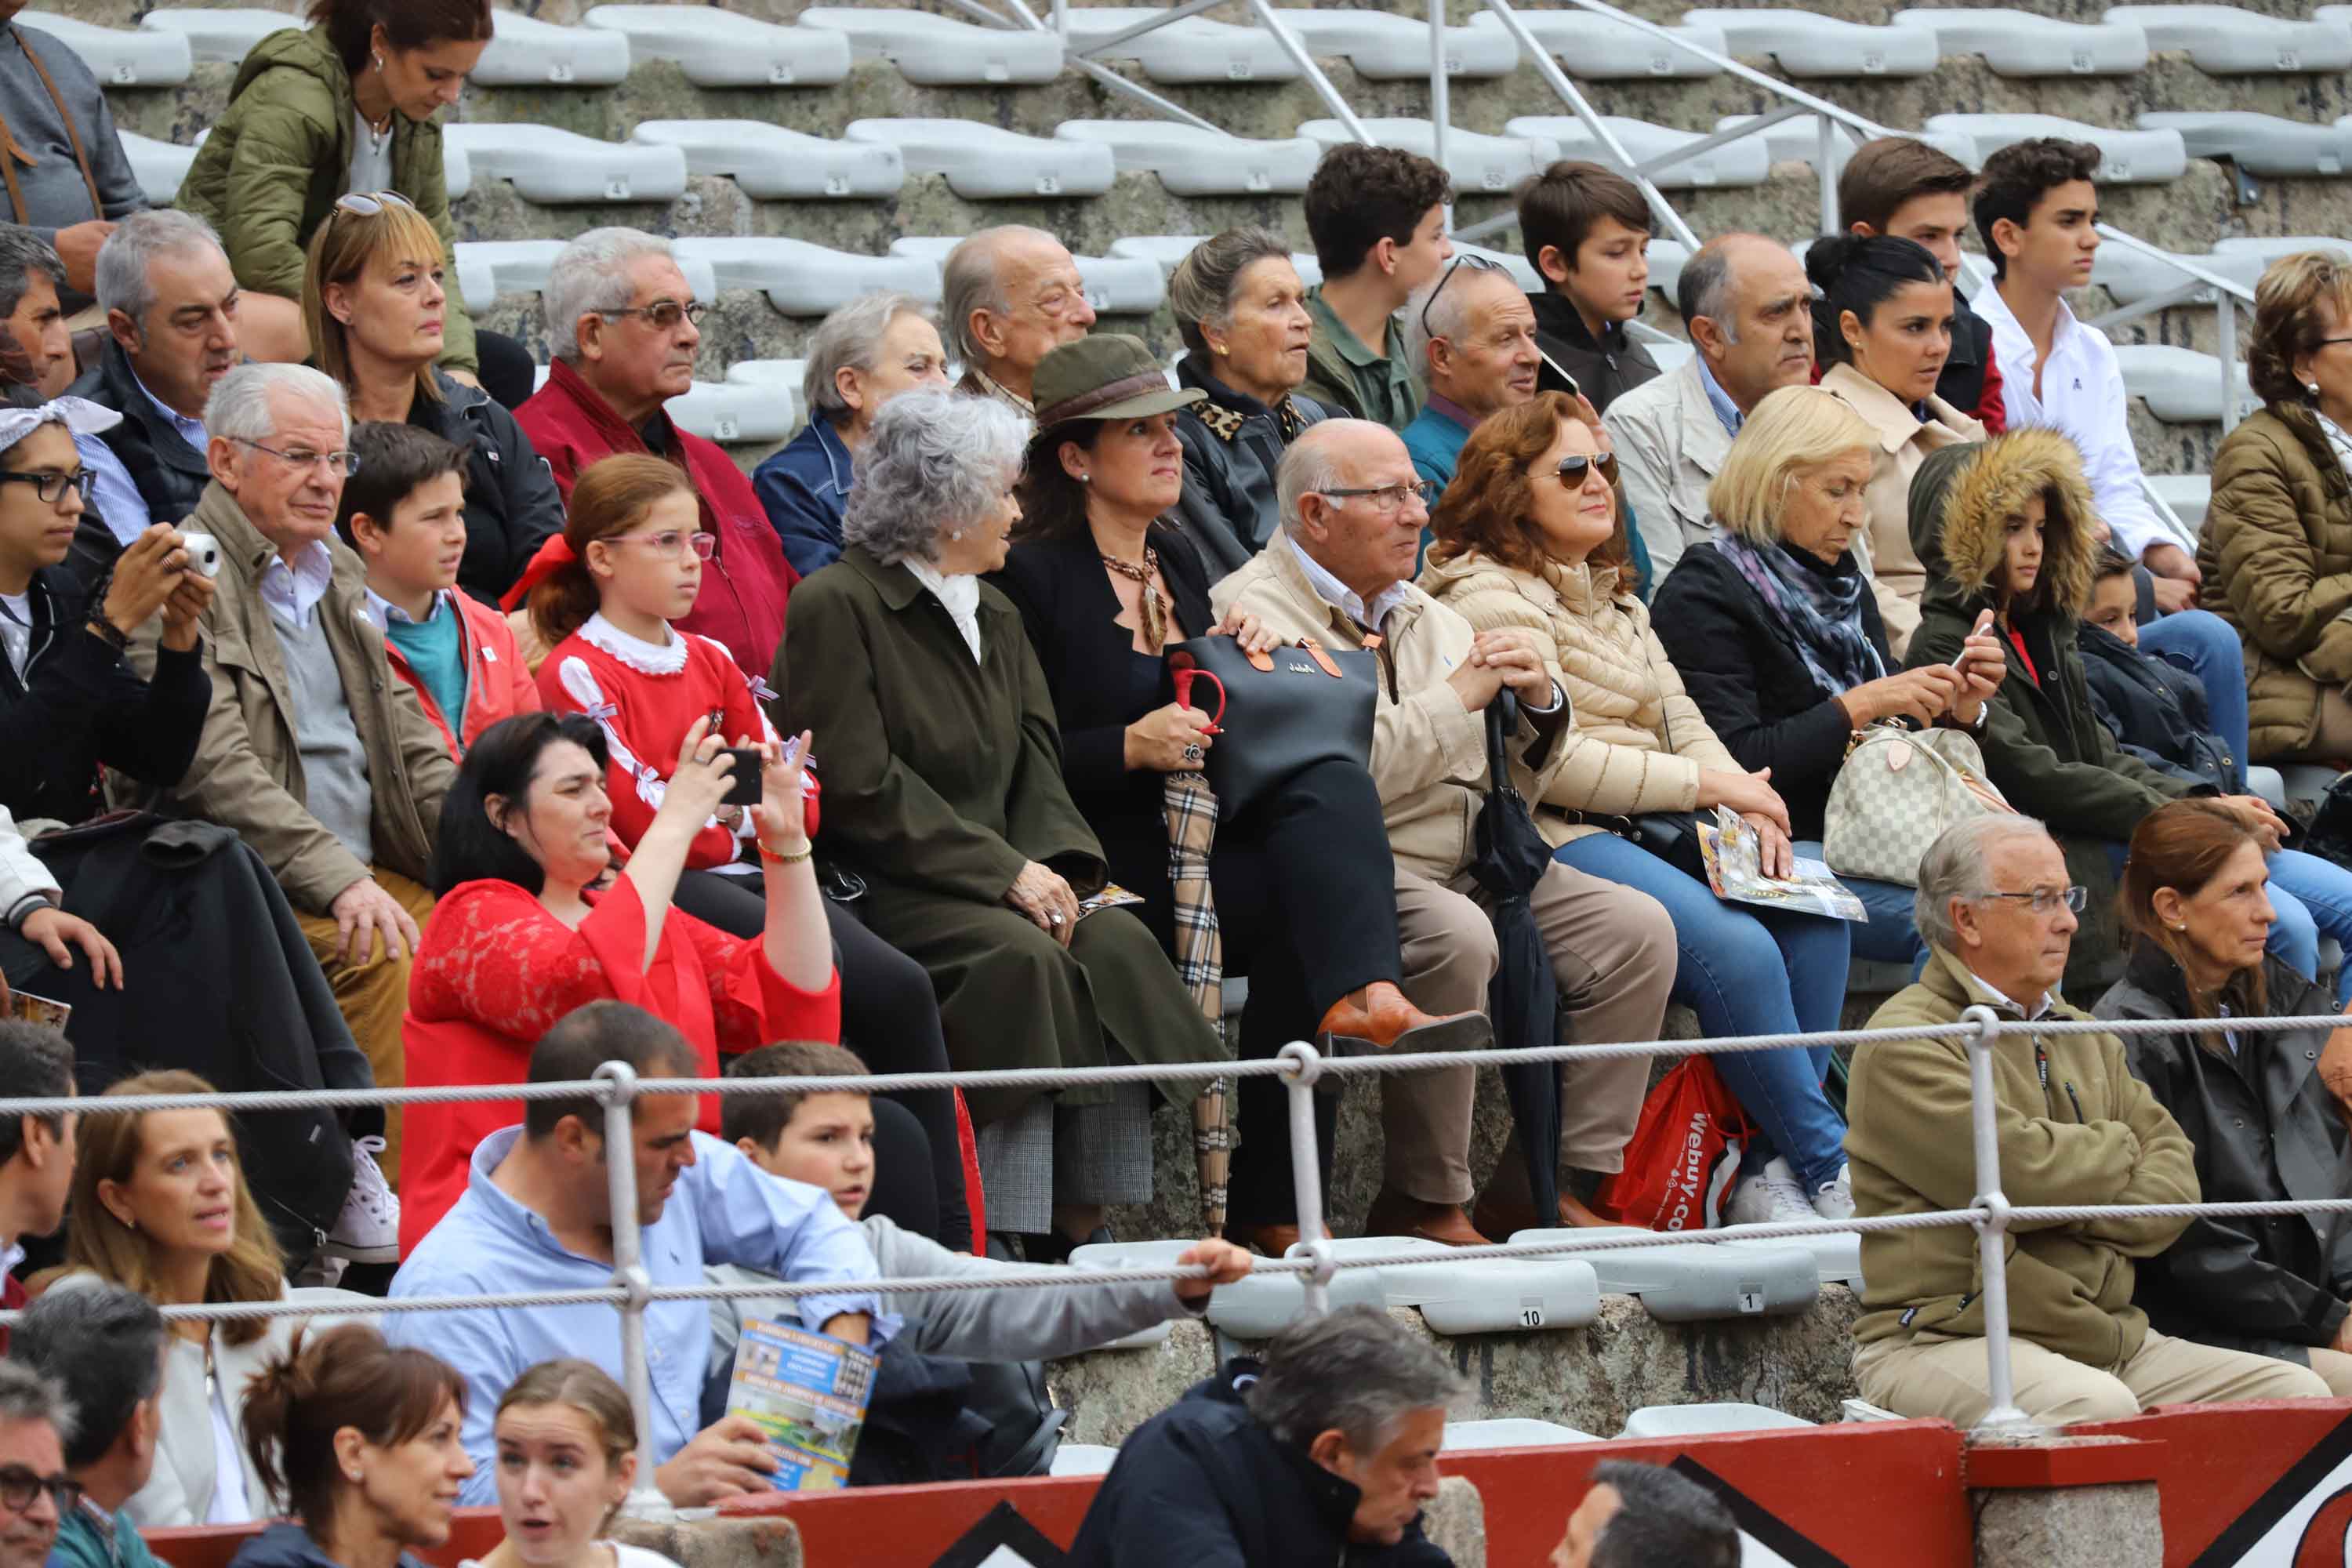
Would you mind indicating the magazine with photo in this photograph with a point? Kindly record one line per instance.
(808, 1391)
(1733, 851)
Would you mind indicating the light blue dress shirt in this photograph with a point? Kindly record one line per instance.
(111, 491)
(1720, 400)
(724, 1209)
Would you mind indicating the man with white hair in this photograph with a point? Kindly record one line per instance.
(1338, 571)
(320, 761)
(2074, 1127)
(623, 327)
(35, 1488)
(1473, 335)
(172, 304)
(1011, 296)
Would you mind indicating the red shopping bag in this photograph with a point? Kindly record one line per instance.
(1683, 1157)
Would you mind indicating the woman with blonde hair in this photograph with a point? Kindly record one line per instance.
(161, 1206)
(2277, 550)
(567, 1455)
(376, 303)
(1779, 639)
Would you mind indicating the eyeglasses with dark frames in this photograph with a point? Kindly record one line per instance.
(1388, 499)
(303, 457)
(19, 1485)
(1469, 258)
(662, 315)
(1573, 467)
(2045, 900)
(51, 486)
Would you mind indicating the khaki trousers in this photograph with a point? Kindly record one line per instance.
(1612, 952)
(1947, 1378)
(372, 996)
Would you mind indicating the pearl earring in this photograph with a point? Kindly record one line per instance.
(1085, 479)
(378, 60)
(2312, 387)
(955, 533)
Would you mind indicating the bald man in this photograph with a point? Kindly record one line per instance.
(1747, 307)
(1012, 295)
(1474, 335)
(1338, 570)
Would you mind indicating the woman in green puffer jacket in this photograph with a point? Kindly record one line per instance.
(344, 106)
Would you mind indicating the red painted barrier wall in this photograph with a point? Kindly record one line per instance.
(2251, 1486)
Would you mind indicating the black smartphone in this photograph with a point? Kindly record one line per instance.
(745, 785)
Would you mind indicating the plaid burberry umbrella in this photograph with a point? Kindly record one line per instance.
(1192, 808)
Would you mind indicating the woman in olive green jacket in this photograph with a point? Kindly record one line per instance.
(344, 106)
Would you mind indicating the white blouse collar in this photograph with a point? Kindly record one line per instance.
(960, 595)
(649, 659)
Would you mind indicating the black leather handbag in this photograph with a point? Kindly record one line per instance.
(1276, 713)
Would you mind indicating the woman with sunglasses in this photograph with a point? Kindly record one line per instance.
(345, 105)
(1242, 312)
(377, 302)
(1532, 534)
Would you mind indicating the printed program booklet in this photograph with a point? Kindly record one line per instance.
(1733, 851)
(808, 1393)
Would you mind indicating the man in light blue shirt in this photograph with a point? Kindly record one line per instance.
(536, 1215)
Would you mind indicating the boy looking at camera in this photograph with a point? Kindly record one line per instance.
(404, 512)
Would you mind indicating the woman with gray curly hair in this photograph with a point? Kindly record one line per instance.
(1241, 311)
(944, 791)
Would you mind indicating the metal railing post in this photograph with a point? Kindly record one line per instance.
(1441, 97)
(2225, 328)
(645, 1499)
(1825, 170)
(1329, 94)
(1304, 1065)
(1993, 1231)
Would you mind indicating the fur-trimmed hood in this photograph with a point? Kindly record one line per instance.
(1962, 499)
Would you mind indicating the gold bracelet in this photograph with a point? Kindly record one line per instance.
(792, 858)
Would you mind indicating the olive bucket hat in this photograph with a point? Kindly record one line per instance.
(1105, 376)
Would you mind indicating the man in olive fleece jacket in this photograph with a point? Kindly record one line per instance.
(2075, 1128)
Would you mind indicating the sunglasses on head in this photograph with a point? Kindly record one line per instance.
(1462, 258)
(1573, 467)
(365, 206)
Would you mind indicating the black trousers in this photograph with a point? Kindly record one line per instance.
(890, 1016)
(1306, 893)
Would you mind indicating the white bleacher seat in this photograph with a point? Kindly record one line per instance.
(1254, 1308)
(158, 166)
(2245, 261)
(771, 164)
(2259, 143)
(2179, 385)
(1837, 1255)
(1742, 163)
(2229, 40)
(1165, 250)
(1115, 285)
(1510, 1432)
(1670, 358)
(488, 269)
(1192, 162)
(548, 166)
(1699, 1420)
(2125, 157)
(1666, 258)
(1083, 1459)
(221, 36)
(2187, 494)
(732, 412)
(2022, 44)
(526, 52)
(804, 279)
(1475, 161)
(1486, 1295)
(785, 374)
(2131, 275)
(720, 49)
(2306, 781)
(1809, 45)
(1602, 48)
(939, 51)
(1511, 261)
(1384, 47)
(984, 162)
(120, 57)
(1693, 1280)
(1800, 141)
(1190, 50)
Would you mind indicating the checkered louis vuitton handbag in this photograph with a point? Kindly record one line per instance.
(1897, 790)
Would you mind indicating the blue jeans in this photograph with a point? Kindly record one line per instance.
(2312, 898)
(1891, 935)
(2217, 657)
(1749, 971)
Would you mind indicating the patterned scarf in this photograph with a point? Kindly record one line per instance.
(1823, 608)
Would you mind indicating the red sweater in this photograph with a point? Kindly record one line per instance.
(741, 602)
(498, 682)
(496, 971)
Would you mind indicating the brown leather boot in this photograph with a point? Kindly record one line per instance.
(1272, 1240)
(1502, 1219)
(1394, 1214)
(1379, 1018)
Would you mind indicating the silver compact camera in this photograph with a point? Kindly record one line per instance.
(204, 553)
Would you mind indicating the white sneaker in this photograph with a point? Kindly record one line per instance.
(368, 1230)
(1835, 1198)
(1772, 1196)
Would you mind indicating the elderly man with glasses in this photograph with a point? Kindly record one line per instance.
(2074, 1127)
(35, 1492)
(623, 327)
(322, 762)
(1338, 570)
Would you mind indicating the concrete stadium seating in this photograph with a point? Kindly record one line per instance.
(769, 163)
(1510, 1432)
(1482, 1295)
(1742, 163)
(2126, 156)
(2187, 494)
(1808, 45)
(1115, 285)
(119, 57)
(216, 35)
(940, 51)
(2179, 386)
(1475, 161)
(551, 165)
(158, 166)
(1252, 1309)
(2258, 143)
(986, 163)
(2231, 40)
(526, 52)
(718, 49)
(1165, 250)
(1385, 46)
(1692, 1420)
(1192, 162)
(1602, 49)
(2024, 44)
(804, 279)
(1799, 140)
(1191, 50)
(734, 413)
(1684, 1283)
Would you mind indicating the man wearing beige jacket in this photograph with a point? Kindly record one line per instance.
(1339, 571)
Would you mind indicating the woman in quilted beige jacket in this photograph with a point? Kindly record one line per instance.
(1531, 533)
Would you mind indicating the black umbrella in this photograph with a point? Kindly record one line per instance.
(1523, 1000)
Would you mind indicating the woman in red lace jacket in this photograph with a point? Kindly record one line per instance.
(519, 940)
